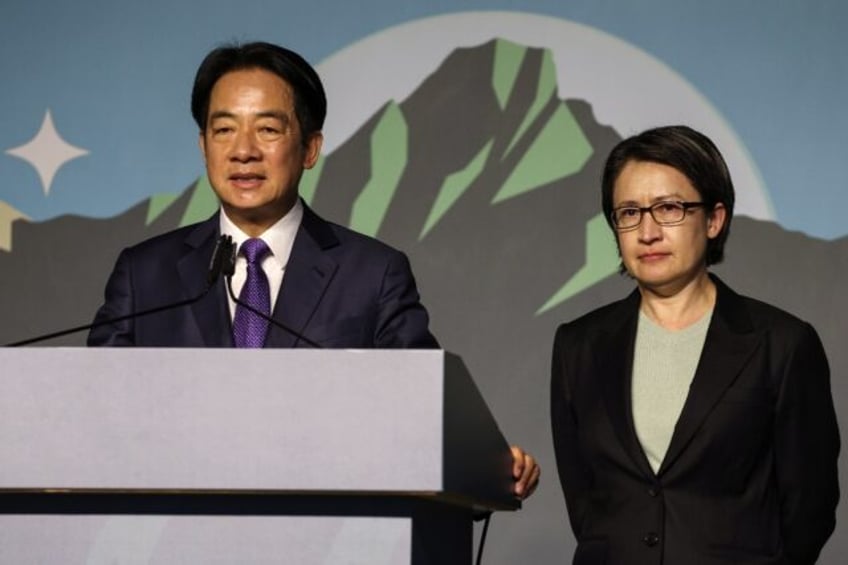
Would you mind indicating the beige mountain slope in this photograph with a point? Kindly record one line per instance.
(7, 216)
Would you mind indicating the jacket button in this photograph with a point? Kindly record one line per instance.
(653, 492)
(651, 539)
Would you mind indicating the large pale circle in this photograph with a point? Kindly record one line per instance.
(628, 89)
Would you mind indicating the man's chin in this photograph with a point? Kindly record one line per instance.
(255, 214)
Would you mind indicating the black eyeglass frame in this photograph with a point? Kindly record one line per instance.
(684, 206)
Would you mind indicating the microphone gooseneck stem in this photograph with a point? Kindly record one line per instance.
(222, 258)
(109, 321)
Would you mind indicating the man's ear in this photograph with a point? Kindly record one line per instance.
(313, 149)
(201, 142)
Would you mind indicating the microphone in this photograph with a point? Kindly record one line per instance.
(228, 268)
(223, 248)
(222, 256)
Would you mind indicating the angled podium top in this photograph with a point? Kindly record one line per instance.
(395, 422)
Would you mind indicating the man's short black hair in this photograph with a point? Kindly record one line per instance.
(310, 102)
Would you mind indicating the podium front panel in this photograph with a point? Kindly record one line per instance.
(221, 419)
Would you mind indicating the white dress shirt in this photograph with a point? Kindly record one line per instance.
(279, 238)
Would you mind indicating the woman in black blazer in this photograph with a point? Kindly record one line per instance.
(691, 425)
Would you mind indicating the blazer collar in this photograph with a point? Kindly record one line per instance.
(614, 359)
(210, 312)
(308, 274)
(729, 344)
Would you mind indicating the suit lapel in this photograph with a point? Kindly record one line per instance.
(729, 345)
(614, 360)
(210, 312)
(308, 274)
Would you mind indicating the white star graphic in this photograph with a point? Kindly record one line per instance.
(47, 152)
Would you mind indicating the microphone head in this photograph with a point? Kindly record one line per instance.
(218, 263)
(228, 257)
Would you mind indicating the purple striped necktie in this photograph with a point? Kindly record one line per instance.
(249, 329)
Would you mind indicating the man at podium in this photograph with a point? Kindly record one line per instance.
(301, 281)
(260, 109)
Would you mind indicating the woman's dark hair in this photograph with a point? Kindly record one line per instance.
(310, 102)
(691, 153)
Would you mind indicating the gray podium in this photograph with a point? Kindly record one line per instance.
(231, 456)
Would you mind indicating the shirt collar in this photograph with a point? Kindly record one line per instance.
(279, 237)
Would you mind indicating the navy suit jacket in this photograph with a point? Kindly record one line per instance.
(340, 289)
(750, 475)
